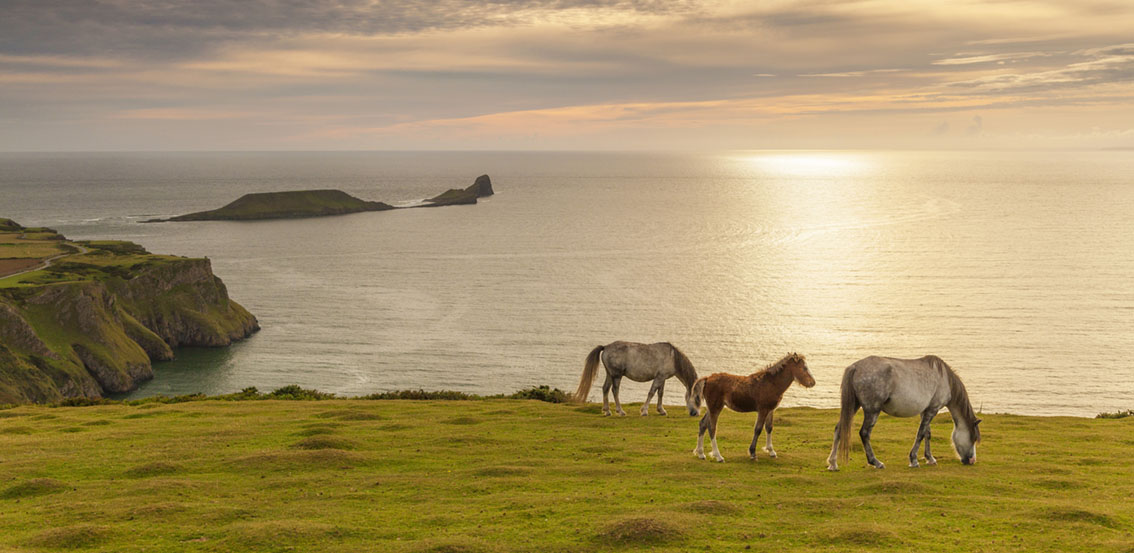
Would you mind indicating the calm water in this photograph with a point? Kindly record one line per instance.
(1015, 268)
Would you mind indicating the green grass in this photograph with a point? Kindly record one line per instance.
(514, 475)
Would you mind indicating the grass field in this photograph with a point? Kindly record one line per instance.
(512, 475)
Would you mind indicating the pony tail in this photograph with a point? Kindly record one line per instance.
(588, 378)
(848, 407)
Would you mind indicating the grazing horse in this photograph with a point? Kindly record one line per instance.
(640, 363)
(904, 388)
(760, 392)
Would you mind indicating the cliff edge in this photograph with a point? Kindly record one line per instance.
(91, 324)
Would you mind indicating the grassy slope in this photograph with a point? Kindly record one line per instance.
(508, 475)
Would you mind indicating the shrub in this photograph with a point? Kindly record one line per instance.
(1116, 414)
(542, 393)
(295, 392)
(85, 402)
(422, 394)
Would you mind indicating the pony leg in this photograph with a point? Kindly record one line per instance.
(922, 432)
(864, 433)
(768, 433)
(606, 390)
(713, 436)
(699, 451)
(617, 404)
(661, 389)
(756, 434)
(833, 458)
(929, 460)
(649, 397)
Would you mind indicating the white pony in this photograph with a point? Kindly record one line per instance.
(904, 388)
(640, 363)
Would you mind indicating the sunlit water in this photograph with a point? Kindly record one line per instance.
(1015, 268)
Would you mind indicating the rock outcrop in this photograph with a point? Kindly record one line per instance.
(97, 332)
(320, 203)
(457, 196)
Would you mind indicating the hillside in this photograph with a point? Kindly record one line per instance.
(87, 319)
(509, 475)
(285, 205)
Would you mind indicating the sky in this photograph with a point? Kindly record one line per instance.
(565, 75)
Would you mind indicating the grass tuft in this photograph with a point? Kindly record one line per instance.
(492, 472)
(283, 535)
(713, 507)
(324, 442)
(1078, 515)
(32, 488)
(894, 487)
(863, 537)
(639, 531)
(21, 430)
(462, 421)
(71, 537)
(152, 469)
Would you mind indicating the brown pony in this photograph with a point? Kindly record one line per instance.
(760, 392)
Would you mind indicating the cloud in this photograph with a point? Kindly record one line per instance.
(851, 73)
(1010, 56)
(397, 68)
(1109, 64)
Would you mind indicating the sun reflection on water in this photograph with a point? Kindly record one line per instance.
(808, 164)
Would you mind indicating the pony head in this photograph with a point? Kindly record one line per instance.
(693, 402)
(799, 370)
(966, 436)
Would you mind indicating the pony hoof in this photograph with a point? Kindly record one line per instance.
(622, 413)
(719, 459)
(772, 454)
(644, 413)
(606, 413)
(662, 413)
(832, 468)
(879, 466)
(913, 465)
(699, 454)
(931, 461)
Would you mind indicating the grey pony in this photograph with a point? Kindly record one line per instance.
(904, 388)
(641, 363)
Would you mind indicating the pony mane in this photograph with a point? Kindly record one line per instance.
(775, 368)
(959, 396)
(683, 367)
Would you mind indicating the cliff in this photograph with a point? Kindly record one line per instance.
(92, 323)
(284, 205)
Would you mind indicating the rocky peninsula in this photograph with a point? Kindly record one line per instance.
(321, 203)
(89, 318)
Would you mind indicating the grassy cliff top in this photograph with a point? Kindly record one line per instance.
(509, 475)
(36, 256)
(290, 204)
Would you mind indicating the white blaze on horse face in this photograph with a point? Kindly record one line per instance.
(963, 444)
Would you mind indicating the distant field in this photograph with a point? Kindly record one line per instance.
(511, 475)
(20, 251)
(11, 266)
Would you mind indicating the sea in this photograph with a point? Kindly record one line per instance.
(1017, 268)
